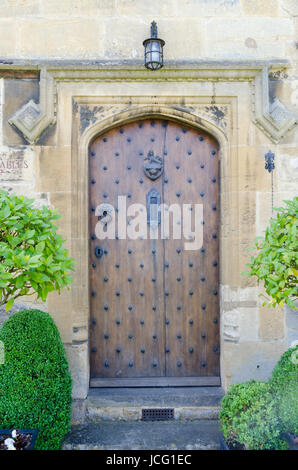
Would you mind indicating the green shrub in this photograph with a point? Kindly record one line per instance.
(258, 428)
(248, 416)
(238, 399)
(32, 256)
(276, 263)
(284, 385)
(288, 409)
(35, 383)
(285, 371)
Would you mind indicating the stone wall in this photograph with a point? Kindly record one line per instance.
(115, 29)
(59, 58)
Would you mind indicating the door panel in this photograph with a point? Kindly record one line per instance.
(191, 280)
(128, 333)
(144, 320)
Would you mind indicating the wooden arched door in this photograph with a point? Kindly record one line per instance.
(154, 306)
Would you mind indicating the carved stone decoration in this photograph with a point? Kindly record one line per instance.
(272, 117)
(89, 115)
(32, 119)
(278, 75)
(218, 114)
(153, 166)
(29, 114)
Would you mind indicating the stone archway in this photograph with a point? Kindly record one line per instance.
(80, 155)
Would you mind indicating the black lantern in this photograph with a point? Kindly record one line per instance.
(153, 50)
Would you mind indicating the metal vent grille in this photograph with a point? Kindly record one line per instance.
(157, 414)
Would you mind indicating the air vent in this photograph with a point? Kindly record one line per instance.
(157, 414)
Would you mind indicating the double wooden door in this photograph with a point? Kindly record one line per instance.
(154, 306)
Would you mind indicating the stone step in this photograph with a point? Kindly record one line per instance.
(189, 403)
(139, 435)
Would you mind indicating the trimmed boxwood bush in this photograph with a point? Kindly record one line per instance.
(248, 417)
(238, 399)
(285, 371)
(259, 426)
(284, 385)
(288, 409)
(35, 383)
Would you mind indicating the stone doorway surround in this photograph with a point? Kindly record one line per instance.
(228, 100)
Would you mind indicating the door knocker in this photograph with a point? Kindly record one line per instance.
(153, 165)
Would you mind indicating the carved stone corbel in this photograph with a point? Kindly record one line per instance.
(272, 117)
(32, 119)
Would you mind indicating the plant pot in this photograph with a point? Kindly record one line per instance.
(32, 432)
(222, 443)
(224, 446)
(292, 440)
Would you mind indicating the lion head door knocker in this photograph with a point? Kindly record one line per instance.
(153, 165)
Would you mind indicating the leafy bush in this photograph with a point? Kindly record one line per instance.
(248, 417)
(238, 399)
(32, 257)
(35, 383)
(259, 426)
(284, 385)
(285, 371)
(277, 260)
(288, 409)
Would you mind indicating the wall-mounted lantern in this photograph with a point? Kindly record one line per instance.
(153, 50)
(270, 166)
(269, 159)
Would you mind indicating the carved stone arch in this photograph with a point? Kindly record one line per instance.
(134, 113)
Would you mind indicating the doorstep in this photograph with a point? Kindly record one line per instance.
(188, 403)
(140, 435)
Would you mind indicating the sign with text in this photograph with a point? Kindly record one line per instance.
(16, 164)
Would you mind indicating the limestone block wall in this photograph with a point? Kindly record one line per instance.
(115, 29)
(97, 35)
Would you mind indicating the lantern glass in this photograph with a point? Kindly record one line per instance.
(153, 50)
